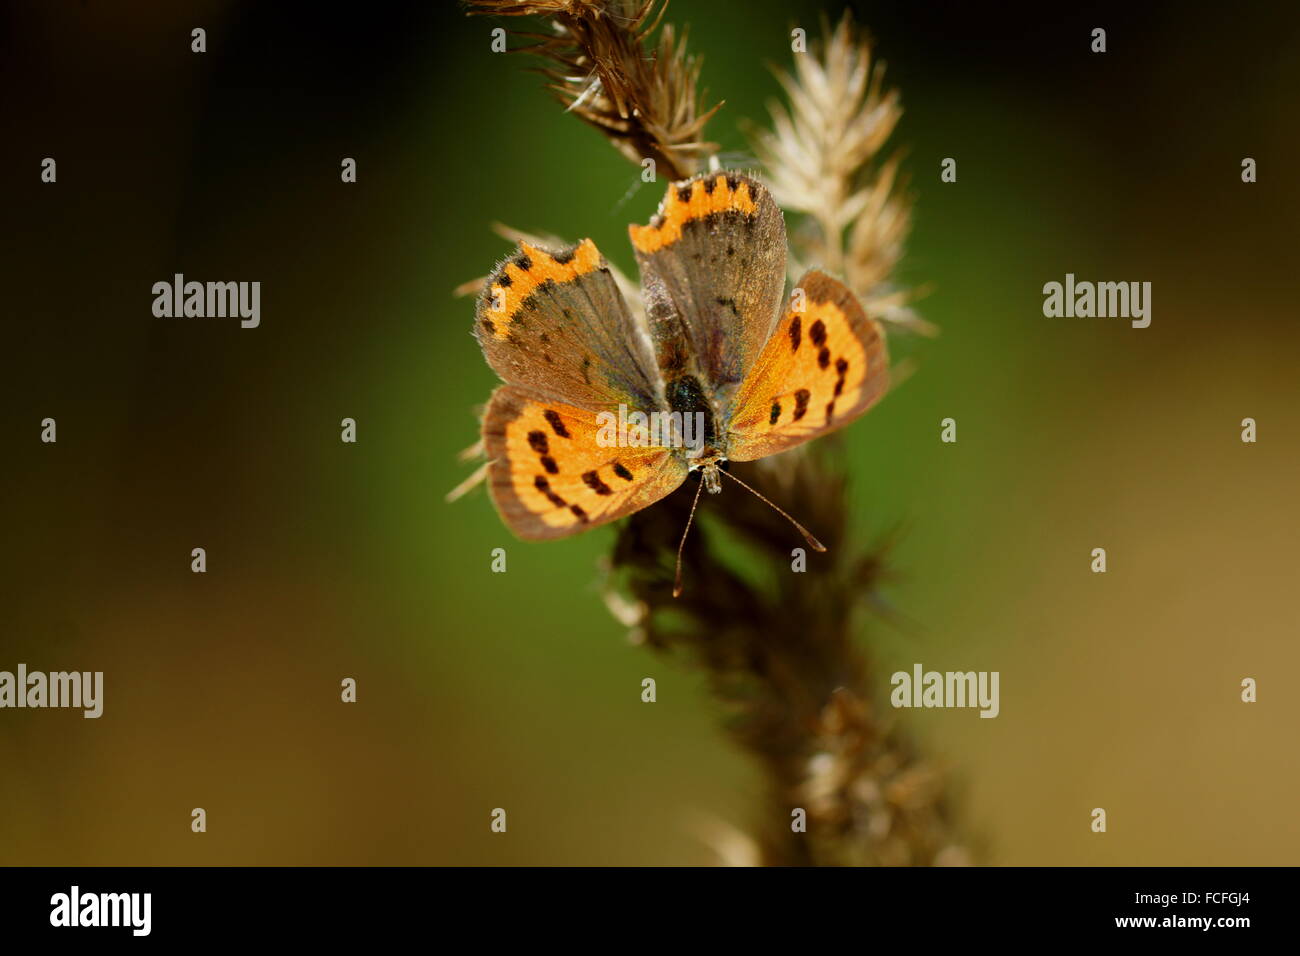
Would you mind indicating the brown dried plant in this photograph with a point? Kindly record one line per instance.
(783, 657)
(603, 65)
(782, 651)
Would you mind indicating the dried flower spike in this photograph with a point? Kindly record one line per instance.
(603, 65)
(819, 155)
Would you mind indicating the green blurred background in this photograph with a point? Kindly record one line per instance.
(481, 690)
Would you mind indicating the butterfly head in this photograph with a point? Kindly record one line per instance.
(709, 465)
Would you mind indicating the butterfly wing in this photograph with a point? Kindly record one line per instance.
(556, 323)
(821, 368)
(712, 270)
(552, 473)
(555, 327)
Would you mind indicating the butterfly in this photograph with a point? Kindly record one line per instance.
(716, 349)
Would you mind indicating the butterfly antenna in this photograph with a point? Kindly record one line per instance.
(677, 578)
(812, 542)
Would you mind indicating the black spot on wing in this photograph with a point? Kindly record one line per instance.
(557, 423)
(801, 398)
(544, 486)
(593, 481)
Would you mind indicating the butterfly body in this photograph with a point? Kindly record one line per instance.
(715, 344)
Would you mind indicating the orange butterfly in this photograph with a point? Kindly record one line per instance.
(604, 413)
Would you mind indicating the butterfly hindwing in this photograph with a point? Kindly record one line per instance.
(550, 475)
(556, 323)
(821, 368)
(712, 270)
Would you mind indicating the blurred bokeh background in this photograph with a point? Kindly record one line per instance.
(518, 690)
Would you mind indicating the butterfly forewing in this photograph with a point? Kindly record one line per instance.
(556, 324)
(712, 271)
